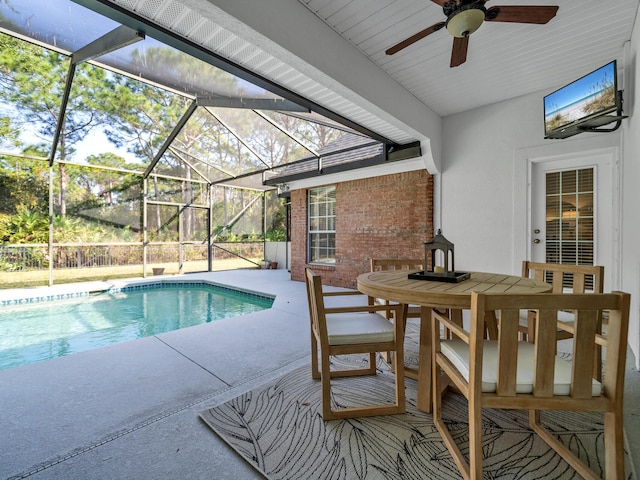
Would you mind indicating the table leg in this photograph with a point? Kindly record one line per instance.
(424, 361)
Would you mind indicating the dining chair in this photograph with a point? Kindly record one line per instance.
(563, 279)
(557, 275)
(484, 371)
(342, 330)
(410, 311)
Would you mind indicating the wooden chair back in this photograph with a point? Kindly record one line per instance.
(410, 311)
(538, 380)
(582, 275)
(381, 264)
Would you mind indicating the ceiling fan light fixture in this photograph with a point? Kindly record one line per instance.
(466, 20)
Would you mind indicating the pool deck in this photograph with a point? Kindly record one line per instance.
(130, 410)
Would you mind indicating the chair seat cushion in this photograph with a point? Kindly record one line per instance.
(566, 317)
(458, 353)
(349, 328)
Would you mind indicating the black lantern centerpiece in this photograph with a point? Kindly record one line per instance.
(441, 273)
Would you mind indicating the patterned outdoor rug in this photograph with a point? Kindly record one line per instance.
(279, 430)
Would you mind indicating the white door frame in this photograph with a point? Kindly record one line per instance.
(605, 144)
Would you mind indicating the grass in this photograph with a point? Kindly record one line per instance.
(606, 99)
(40, 278)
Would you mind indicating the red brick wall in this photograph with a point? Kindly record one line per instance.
(384, 217)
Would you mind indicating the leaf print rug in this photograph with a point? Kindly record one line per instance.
(278, 428)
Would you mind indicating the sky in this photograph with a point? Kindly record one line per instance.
(95, 143)
(579, 89)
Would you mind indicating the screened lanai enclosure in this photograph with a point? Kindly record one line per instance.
(124, 148)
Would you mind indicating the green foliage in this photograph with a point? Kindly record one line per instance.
(276, 218)
(33, 80)
(8, 133)
(25, 226)
(93, 205)
(276, 235)
(26, 185)
(31, 226)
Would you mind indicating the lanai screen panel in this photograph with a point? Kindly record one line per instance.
(310, 129)
(237, 214)
(161, 64)
(30, 91)
(24, 191)
(173, 190)
(107, 203)
(162, 223)
(202, 149)
(67, 27)
(267, 141)
(139, 116)
(213, 149)
(248, 182)
(61, 24)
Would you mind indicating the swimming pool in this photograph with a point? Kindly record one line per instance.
(42, 328)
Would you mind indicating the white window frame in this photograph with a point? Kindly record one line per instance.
(321, 222)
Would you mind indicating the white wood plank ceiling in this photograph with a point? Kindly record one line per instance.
(505, 60)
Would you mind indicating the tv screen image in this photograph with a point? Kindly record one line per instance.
(588, 97)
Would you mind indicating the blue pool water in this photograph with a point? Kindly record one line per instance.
(47, 329)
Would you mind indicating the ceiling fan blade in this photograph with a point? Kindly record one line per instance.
(538, 14)
(414, 38)
(459, 51)
(440, 2)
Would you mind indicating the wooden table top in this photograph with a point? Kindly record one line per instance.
(398, 287)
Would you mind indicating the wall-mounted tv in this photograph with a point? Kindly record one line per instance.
(584, 104)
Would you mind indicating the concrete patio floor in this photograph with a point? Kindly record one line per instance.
(130, 410)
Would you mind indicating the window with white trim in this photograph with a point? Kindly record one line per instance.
(322, 225)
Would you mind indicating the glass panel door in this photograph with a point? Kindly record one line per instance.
(570, 217)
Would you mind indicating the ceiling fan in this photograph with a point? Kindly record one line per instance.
(465, 16)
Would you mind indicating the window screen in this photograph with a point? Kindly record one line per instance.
(322, 225)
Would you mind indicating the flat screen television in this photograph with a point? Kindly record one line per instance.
(583, 104)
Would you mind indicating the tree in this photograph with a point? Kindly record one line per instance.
(33, 79)
(8, 133)
(107, 184)
(24, 182)
(140, 116)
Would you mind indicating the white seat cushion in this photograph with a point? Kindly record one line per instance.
(524, 318)
(566, 317)
(348, 328)
(458, 353)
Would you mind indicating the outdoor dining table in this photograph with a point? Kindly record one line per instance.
(396, 286)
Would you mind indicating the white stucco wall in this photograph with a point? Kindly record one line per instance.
(631, 189)
(476, 185)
